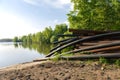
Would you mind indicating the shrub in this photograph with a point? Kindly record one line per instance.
(103, 60)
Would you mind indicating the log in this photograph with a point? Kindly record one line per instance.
(56, 42)
(87, 32)
(117, 43)
(100, 36)
(68, 35)
(65, 42)
(92, 56)
(105, 49)
(42, 59)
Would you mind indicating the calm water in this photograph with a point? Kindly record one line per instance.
(11, 53)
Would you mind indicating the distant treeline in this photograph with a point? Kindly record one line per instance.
(47, 36)
(6, 40)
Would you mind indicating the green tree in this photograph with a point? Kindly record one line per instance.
(24, 39)
(34, 38)
(60, 29)
(53, 38)
(29, 38)
(47, 34)
(40, 37)
(16, 39)
(95, 14)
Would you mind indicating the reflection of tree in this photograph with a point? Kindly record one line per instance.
(41, 48)
(16, 45)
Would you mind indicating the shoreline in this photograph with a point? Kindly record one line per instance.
(21, 65)
(60, 70)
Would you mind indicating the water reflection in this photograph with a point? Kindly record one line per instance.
(40, 48)
(15, 53)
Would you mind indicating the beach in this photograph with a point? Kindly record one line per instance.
(60, 70)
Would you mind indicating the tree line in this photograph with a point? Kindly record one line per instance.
(47, 36)
(5, 40)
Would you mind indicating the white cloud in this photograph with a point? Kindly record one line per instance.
(55, 21)
(32, 2)
(64, 1)
(53, 3)
(12, 25)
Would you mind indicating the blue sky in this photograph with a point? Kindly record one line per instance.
(20, 17)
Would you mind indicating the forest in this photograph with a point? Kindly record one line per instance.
(47, 36)
(86, 14)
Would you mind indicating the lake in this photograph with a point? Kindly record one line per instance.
(15, 53)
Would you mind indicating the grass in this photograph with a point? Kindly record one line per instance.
(58, 56)
(101, 60)
(109, 61)
(117, 62)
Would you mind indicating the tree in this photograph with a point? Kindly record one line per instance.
(47, 34)
(53, 38)
(24, 39)
(95, 14)
(39, 37)
(60, 29)
(29, 38)
(16, 39)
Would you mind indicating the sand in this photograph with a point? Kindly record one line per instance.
(61, 70)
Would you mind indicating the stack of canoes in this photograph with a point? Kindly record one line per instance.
(100, 43)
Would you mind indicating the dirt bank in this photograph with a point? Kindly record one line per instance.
(61, 70)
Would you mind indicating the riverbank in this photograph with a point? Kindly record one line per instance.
(61, 70)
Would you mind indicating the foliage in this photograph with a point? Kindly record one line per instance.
(16, 39)
(46, 36)
(103, 60)
(60, 29)
(53, 38)
(68, 49)
(117, 62)
(95, 14)
(56, 58)
(109, 61)
(40, 48)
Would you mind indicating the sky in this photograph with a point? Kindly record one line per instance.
(21, 17)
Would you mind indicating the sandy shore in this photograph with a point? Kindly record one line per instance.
(61, 70)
